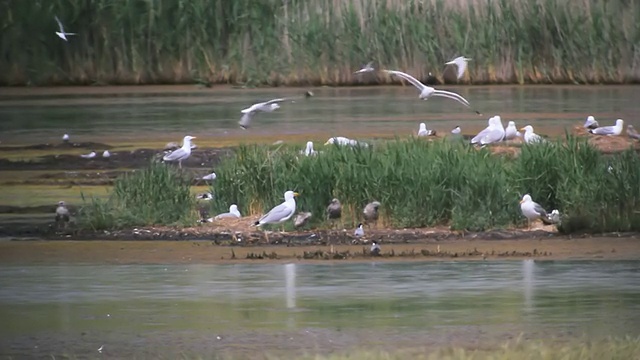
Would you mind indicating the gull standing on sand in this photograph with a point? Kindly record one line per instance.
(533, 211)
(511, 132)
(614, 130)
(530, 137)
(590, 123)
(267, 106)
(62, 34)
(427, 91)
(461, 63)
(62, 214)
(495, 133)
(233, 213)
(365, 69)
(422, 131)
(308, 151)
(282, 212)
(90, 155)
(180, 154)
(632, 132)
(65, 138)
(456, 130)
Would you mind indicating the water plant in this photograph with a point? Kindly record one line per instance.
(299, 42)
(156, 195)
(428, 183)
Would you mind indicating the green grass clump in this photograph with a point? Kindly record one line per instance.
(156, 195)
(427, 183)
(317, 41)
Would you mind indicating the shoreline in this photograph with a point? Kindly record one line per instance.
(120, 251)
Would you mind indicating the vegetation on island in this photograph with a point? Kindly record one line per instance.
(317, 42)
(419, 184)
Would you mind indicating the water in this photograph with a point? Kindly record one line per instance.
(130, 113)
(165, 308)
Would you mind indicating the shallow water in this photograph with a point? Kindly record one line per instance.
(140, 113)
(161, 309)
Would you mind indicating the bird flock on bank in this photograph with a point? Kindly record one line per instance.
(495, 132)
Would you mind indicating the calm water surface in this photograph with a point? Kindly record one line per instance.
(159, 309)
(166, 112)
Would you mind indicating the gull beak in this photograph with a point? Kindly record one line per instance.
(522, 129)
(521, 201)
(296, 194)
(193, 137)
(327, 143)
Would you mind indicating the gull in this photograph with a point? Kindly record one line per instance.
(341, 140)
(532, 211)
(590, 123)
(461, 63)
(375, 249)
(365, 69)
(65, 138)
(632, 132)
(456, 130)
(301, 219)
(106, 154)
(308, 151)
(370, 212)
(90, 155)
(211, 176)
(495, 133)
(422, 131)
(100, 348)
(427, 91)
(180, 154)
(511, 132)
(233, 213)
(490, 125)
(267, 106)
(530, 137)
(609, 130)
(334, 210)
(359, 231)
(62, 35)
(62, 214)
(282, 212)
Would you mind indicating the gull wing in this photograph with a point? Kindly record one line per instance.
(409, 78)
(59, 24)
(245, 120)
(605, 130)
(274, 101)
(175, 155)
(279, 213)
(452, 96)
(539, 209)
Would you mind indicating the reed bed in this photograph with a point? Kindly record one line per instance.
(318, 42)
(156, 195)
(431, 183)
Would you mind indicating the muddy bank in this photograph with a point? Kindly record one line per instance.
(206, 157)
(179, 252)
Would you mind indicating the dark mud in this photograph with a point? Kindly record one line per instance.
(134, 159)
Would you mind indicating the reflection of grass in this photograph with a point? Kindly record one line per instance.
(628, 348)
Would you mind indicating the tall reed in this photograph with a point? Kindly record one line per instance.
(295, 42)
(423, 183)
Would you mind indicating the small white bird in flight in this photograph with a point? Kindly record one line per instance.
(461, 63)
(90, 155)
(267, 106)
(62, 35)
(180, 154)
(367, 68)
(609, 130)
(427, 91)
